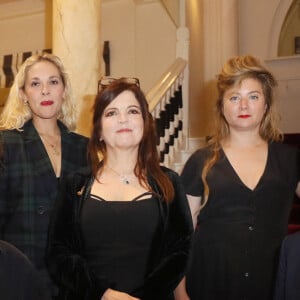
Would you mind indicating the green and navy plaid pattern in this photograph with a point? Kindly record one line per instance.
(28, 186)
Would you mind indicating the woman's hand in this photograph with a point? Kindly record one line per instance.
(116, 295)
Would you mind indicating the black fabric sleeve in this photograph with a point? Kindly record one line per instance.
(65, 262)
(288, 160)
(191, 173)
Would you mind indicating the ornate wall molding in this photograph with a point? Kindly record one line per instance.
(277, 22)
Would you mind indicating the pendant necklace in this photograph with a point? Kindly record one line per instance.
(123, 178)
(54, 146)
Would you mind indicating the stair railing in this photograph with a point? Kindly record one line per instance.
(166, 105)
(10, 64)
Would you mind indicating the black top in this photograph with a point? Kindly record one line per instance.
(170, 244)
(119, 253)
(235, 250)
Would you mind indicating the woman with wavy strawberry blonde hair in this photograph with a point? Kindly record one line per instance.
(240, 188)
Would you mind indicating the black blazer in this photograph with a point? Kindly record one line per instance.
(65, 255)
(288, 277)
(28, 187)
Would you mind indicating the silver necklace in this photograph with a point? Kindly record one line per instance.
(123, 178)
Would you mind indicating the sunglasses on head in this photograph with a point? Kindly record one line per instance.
(106, 81)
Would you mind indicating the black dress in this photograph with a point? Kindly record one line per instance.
(118, 237)
(239, 232)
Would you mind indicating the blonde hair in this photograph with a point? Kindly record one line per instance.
(16, 112)
(232, 74)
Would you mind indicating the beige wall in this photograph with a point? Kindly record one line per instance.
(155, 43)
(260, 24)
(143, 43)
(117, 27)
(173, 7)
(142, 36)
(142, 39)
(23, 26)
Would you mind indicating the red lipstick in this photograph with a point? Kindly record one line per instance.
(47, 102)
(244, 116)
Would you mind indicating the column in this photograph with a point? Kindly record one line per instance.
(183, 51)
(220, 34)
(76, 40)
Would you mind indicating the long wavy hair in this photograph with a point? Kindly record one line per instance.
(233, 73)
(148, 161)
(16, 112)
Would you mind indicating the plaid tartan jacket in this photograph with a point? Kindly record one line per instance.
(28, 186)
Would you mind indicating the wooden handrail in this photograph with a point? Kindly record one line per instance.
(165, 83)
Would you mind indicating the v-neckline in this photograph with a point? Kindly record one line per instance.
(239, 178)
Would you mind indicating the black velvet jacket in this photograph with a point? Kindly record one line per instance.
(65, 255)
